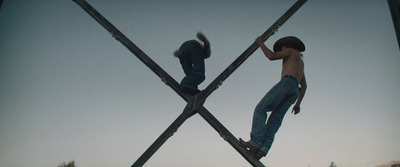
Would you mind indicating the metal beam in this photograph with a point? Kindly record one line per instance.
(187, 112)
(253, 47)
(165, 77)
(394, 6)
(229, 137)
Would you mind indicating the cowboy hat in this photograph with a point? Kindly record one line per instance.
(290, 40)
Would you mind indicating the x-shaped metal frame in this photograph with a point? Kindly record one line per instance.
(194, 103)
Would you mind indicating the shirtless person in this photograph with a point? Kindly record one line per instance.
(280, 97)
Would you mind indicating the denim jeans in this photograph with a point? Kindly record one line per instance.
(192, 61)
(277, 101)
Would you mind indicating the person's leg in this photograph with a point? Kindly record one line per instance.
(186, 62)
(268, 103)
(197, 57)
(277, 115)
(273, 123)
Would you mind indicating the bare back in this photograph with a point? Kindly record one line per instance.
(293, 66)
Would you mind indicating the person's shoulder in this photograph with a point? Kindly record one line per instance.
(292, 52)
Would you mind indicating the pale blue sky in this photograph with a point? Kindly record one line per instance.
(69, 91)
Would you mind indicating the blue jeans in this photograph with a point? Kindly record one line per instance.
(192, 61)
(277, 101)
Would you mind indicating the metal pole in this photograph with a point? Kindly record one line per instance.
(394, 6)
(228, 136)
(187, 112)
(165, 77)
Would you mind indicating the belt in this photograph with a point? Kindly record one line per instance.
(289, 76)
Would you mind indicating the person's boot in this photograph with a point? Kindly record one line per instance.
(248, 146)
(259, 154)
(190, 89)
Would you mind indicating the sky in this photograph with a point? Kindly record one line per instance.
(70, 91)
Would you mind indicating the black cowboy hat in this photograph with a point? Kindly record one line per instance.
(291, 41)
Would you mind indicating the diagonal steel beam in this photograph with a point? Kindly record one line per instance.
(229, 137)
(394, 6)
(250, 50)
(187, 112)
(165, 77)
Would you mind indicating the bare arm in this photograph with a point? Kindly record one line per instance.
(207, 48)
(303, 88)
(272, 55)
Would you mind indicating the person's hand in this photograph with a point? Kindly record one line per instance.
(178, 53)
(201, 36)
(296, 109)
(260, 40)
